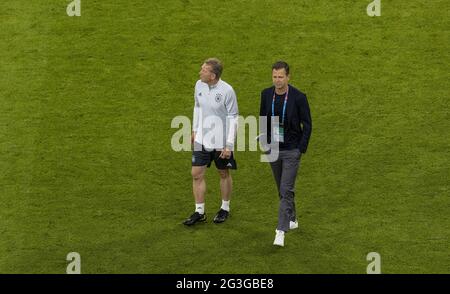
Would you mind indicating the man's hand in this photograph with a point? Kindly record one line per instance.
(225, 154)
(192, 138)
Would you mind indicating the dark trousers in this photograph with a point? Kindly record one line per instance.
(284, 170)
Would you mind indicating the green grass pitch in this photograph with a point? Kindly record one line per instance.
(86, 163)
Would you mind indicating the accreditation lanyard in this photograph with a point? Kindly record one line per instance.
(284, 105)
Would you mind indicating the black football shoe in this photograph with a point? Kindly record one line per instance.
(221, 216)
(195, 218)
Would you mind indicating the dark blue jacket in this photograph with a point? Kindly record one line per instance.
(298, 125)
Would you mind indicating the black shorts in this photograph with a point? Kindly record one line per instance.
(205, 157)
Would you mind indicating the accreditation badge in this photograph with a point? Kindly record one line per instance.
(278, 134)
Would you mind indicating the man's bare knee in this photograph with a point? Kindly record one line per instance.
(224, 173)
(197, 174)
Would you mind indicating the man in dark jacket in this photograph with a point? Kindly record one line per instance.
(292, 135)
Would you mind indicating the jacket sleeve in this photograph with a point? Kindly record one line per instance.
(195, 115)
(232, 118)
(306, 122)
(262, 106)
(264, 130)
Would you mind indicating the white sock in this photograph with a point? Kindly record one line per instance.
(200, 208)
(226, 205)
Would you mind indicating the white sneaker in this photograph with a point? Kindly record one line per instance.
(293, 225)
(279, 238)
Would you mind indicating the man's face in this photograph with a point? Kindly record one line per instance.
(206, 75)
(279, 78)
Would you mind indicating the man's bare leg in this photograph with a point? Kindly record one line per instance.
(198, 189)
(199, 184)
(226, 184)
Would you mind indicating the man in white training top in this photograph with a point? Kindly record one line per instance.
(213, 137)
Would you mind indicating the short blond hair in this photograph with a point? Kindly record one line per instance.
(216, 66)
